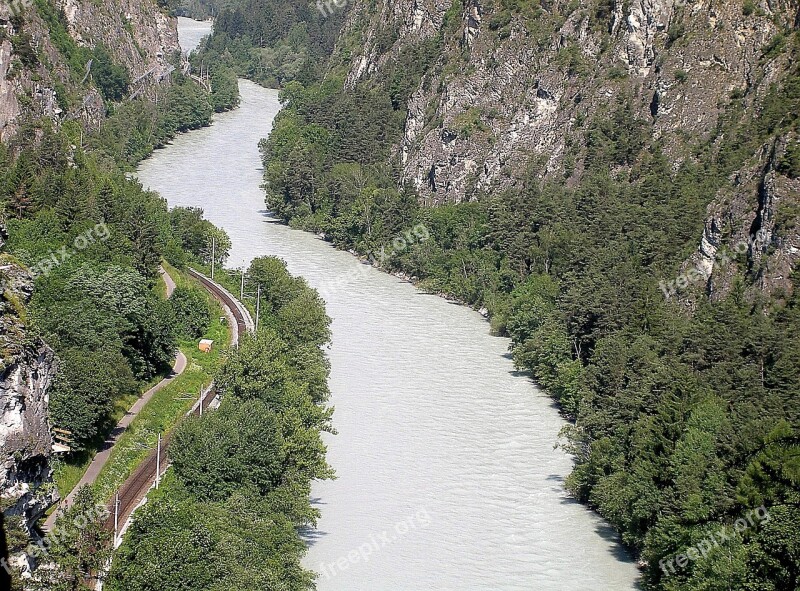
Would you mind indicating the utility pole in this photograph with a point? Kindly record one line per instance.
(258, 307)
(116, 519)
(241, 291)
(158, 462)
(213, 254)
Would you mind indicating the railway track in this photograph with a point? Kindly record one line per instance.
(243, 321)
(136, 487)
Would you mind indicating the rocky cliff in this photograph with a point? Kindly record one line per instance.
(516, 82)
(38, 57)
(27, 370)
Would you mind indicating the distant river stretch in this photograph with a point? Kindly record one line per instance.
(447, 475)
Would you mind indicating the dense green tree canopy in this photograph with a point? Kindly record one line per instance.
(238, 446)
(242, 543)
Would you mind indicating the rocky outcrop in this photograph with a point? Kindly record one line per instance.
(137, 34)
(755, 230)
(25, 473)
(142, 36)
(9, 104)
(27, 371)
(511, 87)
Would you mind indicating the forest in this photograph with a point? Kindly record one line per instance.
(681, 412)
(96, 304)
(272, 42)
(681, 420)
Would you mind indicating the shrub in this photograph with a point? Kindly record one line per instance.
(112, 80)
(192, 313)
(774, 47)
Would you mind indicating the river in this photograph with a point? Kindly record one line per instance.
(191, 33)
(447, 474)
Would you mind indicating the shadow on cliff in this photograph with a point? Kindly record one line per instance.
(5, 576)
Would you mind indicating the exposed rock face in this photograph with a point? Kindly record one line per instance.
(410, 20)
(25, 474)
(27, 370)
(9, 104)
(137, 34)
(511, 87)
(142, 36)
(763, 240)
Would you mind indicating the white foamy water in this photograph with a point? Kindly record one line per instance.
(447, 475)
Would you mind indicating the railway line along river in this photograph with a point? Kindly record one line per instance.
(447, 474)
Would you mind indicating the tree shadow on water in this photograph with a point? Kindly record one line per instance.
(602, 528)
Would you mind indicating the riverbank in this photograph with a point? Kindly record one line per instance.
(467, 432)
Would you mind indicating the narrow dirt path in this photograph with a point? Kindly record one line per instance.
(168, 281)
(100, 460)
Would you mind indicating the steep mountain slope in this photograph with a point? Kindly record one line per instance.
(58, 58)
(522, 80)
(616, 185)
